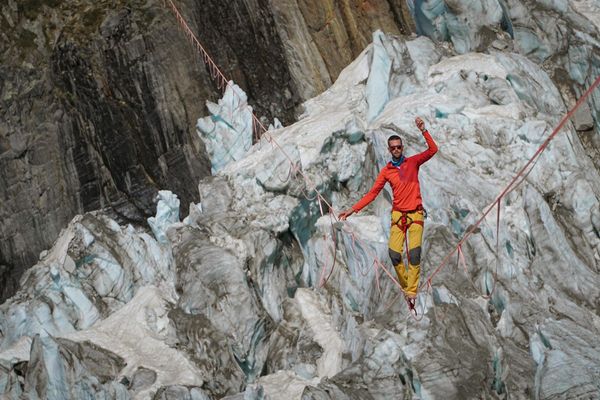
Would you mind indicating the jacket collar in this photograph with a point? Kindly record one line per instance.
(397, 163)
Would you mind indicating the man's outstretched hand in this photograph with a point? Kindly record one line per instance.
(345, 214)
(420, 124)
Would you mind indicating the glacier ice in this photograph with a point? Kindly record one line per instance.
(227, 132)
(167, 213)
(378, 82)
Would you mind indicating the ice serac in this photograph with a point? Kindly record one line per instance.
(94, 271)
(142, 334)
(62, 369)
(167, 213)
(227, 131)
(95, 267)
(378, 82)
(389, 57)
(213, 284)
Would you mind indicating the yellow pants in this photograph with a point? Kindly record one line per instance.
(409, 280)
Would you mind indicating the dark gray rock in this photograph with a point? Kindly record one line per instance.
(62, 369)
(142, 378)
(211, 351)
(177, 392)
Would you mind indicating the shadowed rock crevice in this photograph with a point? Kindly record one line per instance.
(77, 369)
(241, 38)
(116, 117)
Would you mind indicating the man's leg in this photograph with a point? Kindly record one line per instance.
(415, 237)
(396, 246)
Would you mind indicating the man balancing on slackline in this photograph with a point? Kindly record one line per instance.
(408, 214)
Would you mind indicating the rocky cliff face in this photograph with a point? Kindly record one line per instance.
(93, 117)
(98, 100)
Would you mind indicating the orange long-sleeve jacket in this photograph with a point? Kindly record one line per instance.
(404, 180)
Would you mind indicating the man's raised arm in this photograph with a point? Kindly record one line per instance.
(431, 146)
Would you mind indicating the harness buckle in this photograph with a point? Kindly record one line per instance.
(405, 221)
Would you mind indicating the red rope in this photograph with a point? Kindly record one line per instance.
(522, 172)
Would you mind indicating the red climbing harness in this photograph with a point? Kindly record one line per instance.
(405, 221)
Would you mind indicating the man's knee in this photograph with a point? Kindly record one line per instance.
(395, 257)
(414, 256)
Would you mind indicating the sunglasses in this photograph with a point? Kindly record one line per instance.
(395, 147)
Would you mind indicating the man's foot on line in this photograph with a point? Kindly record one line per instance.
(411, 304)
